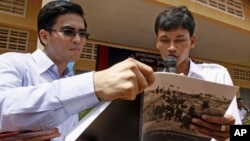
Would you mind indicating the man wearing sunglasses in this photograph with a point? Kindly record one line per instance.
(38, 91)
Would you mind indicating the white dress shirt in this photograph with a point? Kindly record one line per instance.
(242, 113)
(32, 96)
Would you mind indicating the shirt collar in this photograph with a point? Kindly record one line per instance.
(43, 62)
(195, 70)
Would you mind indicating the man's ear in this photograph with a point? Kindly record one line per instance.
(193, 41)
(43, 36)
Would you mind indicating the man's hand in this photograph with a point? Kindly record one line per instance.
(213, 126)
(124, 80)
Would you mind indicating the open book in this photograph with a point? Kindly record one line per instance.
(169, 104)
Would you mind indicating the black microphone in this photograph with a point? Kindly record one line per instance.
(170, 64)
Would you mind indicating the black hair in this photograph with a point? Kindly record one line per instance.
(239, 98)
(51, 11)
(174, 17)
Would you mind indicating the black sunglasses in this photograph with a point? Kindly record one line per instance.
(72, 33)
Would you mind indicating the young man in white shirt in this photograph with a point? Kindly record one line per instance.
(242, 109)
(174, 28)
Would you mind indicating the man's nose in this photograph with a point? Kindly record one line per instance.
(172, 47)
(77, 38)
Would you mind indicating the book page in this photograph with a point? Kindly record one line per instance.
(169, 104)
(86, 121)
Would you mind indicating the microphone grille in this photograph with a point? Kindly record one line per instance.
(170, 61)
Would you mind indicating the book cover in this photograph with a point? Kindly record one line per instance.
(169, 104)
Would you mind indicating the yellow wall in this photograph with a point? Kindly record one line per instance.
(212, 14)
(85, 65)
(28, 22)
